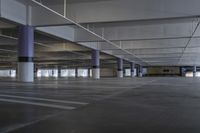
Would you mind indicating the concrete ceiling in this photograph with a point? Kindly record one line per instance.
(68, 1)
(147, 32)
(49, 50)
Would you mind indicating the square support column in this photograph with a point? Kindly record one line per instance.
(140, 71)
(132, 69)
(26, 54)
(96, 64)
(182, 71)
(194, 71)
(88, 72)
(120, 72)
(59, 71)
(76, 72)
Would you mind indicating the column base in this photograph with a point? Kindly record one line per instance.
(25, 72)
(140, 75)
(132, 74)
(120, 74)
(88, 73)
(96, 73)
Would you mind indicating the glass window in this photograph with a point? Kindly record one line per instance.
(189, 74)
(198, 74)
(82, 72)
(55, 73)
(47, 73)
(127, 72)
(71, 72)
(13, 73)
(8, 73)
(68, 73)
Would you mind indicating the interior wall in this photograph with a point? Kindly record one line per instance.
(108, 72)
(153, 71)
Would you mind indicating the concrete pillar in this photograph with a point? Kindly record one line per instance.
(194, 71)
(76, 72)
(88, 72)
(26, 54)
(182, 71)
(35, 71)
(120, 72)
(140, 71)
(52, 72)
(59, 71)
(95, 64)
(137, 70)
(132, 69)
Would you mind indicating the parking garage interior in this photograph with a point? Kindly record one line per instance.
(99, 66)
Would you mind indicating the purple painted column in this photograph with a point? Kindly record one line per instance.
(120, 68)
(132, 69)
(194, 71)
(96, 64)
(26, 54)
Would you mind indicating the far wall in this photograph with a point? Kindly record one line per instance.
(108, 72)
(156, 71)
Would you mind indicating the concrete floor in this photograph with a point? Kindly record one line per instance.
(139, 105)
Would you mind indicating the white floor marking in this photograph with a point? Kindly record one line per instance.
(43, 99)
(10, 129)
(38, 104)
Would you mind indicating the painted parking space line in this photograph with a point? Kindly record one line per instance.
(43, 99)
(38, 104)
